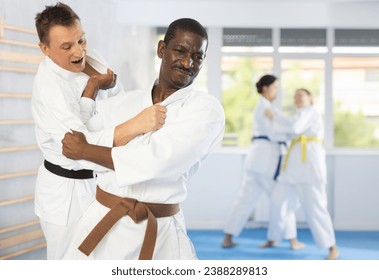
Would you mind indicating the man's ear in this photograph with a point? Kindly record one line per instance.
(44, 48)
(160, 49)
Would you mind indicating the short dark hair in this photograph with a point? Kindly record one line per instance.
(185, 24)
(265, 80)
(60, 14)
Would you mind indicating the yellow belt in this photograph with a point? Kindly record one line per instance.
(303, 140)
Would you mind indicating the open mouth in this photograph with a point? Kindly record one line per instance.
(78, 61)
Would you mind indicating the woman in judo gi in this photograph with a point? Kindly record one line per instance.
(260, 168)
(302, 180)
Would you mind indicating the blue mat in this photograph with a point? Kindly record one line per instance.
(353, 245)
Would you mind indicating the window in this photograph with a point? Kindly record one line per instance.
(246, 40)
(360, 41)
(302, 40)
(356, 88)
(298, 70)
(246, 57)
(239, 95)
(356, 37)
(302, 73)
(356, 101)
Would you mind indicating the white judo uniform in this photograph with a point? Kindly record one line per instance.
(259, 170)
(153, 168)
(56, 108)
(302, 180)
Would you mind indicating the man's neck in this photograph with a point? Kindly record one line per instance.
(159, 93)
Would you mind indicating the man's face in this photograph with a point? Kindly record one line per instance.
(67, 47)
(182, 59)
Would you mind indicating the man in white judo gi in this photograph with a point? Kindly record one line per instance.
(136, 214)
(68, 80)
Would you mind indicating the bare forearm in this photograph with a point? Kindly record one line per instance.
(150, 119)
(123, 133)
(99, 155)
(91, 89)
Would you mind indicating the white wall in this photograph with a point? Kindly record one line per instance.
(17, 135)
(212, 189)
(119, 43)
(356, 191)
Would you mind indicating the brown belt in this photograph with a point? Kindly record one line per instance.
(137, 211)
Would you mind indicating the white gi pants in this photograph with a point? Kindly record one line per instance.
(285, 200)
(58, 236)
(254, 185)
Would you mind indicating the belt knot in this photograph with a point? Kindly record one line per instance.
(138, 211)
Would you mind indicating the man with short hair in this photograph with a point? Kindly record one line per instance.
(68, 81)
(136, 214)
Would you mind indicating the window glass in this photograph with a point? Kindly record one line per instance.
(239, 95)
(302, 73)
(356, 101)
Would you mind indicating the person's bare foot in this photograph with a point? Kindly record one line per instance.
(268, 244)
(228, 242)
(296, 244)
(334, 253)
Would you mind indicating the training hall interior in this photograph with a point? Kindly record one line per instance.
(330, 47)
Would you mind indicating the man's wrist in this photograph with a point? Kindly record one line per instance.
(124, 133)
(86, 151)
(91, 88)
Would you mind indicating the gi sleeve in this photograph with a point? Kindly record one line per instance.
(87, 109)
(296, 124)
(170, 152)
(56, 115)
